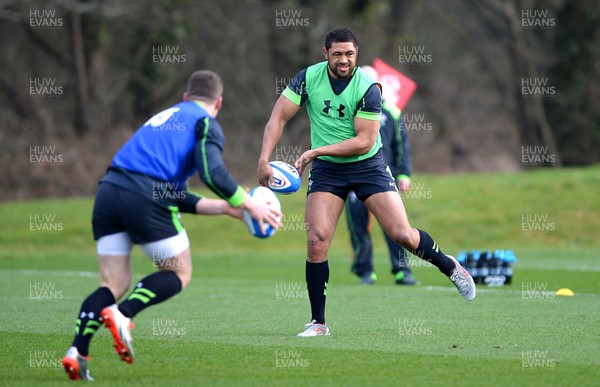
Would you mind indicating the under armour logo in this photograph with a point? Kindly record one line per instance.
(328, 106)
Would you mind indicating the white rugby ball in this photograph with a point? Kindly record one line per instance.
(286, 179)
(263, 195)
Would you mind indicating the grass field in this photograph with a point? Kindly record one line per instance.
(236, 322)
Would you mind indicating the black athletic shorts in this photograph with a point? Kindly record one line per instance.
(365, 177)
(117, 209)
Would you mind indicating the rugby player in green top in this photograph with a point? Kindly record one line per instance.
(344, 108)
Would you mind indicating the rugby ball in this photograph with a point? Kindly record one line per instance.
(286, 179)
(263, 195)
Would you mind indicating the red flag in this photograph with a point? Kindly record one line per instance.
(397, 87)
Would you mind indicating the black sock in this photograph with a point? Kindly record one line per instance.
(317, 276)
(89, 318)
(151, 290)
(431, 252)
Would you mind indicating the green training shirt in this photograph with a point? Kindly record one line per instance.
(332, 115)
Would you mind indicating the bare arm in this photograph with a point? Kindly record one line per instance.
(283, 111)
(207, 206)
(366, 135)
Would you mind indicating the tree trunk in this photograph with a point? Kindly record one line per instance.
(531, 110)
(85, 118)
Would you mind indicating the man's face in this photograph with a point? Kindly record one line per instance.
(341, 59)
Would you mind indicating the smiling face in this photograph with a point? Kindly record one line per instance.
(341, 59)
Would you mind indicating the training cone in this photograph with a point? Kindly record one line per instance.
(564, 292)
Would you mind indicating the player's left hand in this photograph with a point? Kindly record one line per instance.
(304, 159)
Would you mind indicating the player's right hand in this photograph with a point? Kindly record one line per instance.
(263, 212)
(265, 173)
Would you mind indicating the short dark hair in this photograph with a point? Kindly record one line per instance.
(340, 35)
(205, 85)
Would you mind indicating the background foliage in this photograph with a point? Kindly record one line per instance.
(103, 58)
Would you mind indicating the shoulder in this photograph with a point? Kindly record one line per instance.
(366, 84)
(317, 66)
(209, 127)
(373, 95)
(369, 104)
(298, 81)
(362, 76)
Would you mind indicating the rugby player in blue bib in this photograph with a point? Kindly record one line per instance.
(139, 201)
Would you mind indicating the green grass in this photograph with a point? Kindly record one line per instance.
(232, 327)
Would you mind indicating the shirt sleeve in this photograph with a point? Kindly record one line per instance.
(187, 204)
(209, 160)
(296, 89)
(369, 107)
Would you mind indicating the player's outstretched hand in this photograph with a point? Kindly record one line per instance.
(263, 212)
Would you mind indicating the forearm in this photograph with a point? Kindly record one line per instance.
(283, 111)
(217, 207)
(271, 136)
(366, 136)
(350, 147)
(193, 203)
(208, 206)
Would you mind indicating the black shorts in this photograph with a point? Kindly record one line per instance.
(117, 209)
(365, 177)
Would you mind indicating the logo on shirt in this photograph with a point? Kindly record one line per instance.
(328, 106)
(167, 121)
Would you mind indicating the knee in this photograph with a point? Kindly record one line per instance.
(316, 238)
(404, 236)
(318, 244)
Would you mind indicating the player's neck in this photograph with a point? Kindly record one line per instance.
(210, 108)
